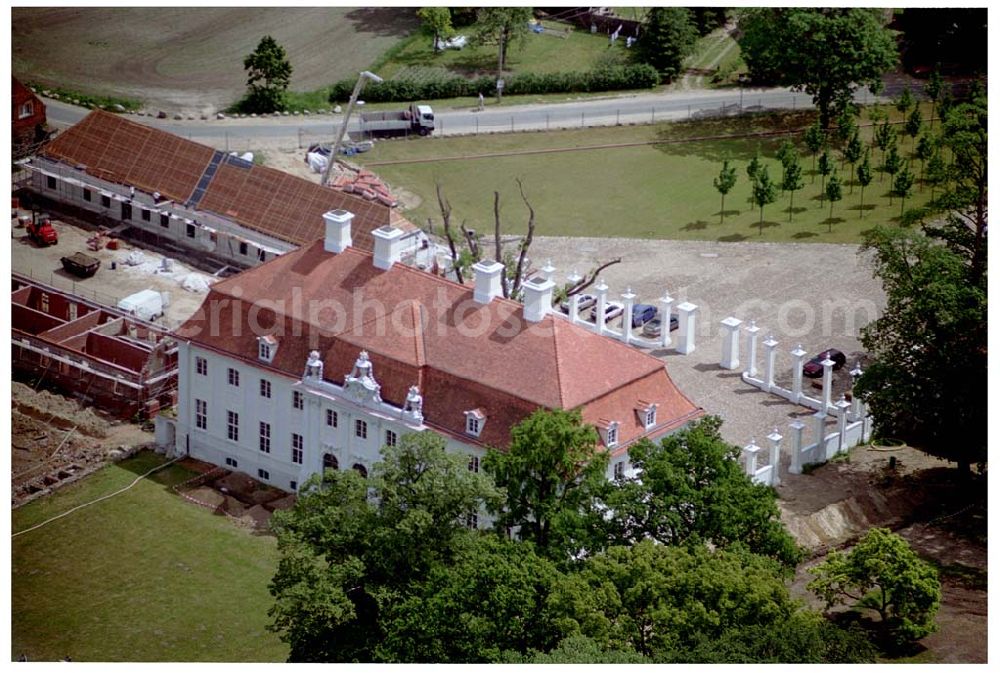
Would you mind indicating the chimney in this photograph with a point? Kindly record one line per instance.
(537, 298)
(388, 246)
(338, 230)
(488, 279)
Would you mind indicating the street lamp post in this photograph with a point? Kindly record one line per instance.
(743, 79)
(362, 78)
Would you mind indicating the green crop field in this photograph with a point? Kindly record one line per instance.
(639, 182)
(142, 576)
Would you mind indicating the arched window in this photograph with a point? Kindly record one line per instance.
(362, 470)
(330, 462)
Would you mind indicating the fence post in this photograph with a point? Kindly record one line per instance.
(618, 117)
(689, 111)
(546, 121)
(652, 115)
(512, 123)
(477, 126)
(582, 119)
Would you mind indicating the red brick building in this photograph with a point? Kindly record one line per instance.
(27, 118)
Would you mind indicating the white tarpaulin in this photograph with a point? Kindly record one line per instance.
(317, 162)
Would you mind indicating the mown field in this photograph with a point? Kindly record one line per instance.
(637, 182)
(143, 576)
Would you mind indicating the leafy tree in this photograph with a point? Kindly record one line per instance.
(577, 649)
(436, 21)
(825, 168)
(552, 472)
(852, 152)
(763, 193)
(786, 151)
(351, 547)
(937, 171)
(489, 599)
(656, 599)
(792, 181)
(723, 184)
(904, 102)
(846, 125)
(668, 37)
(913, 124)
(864, 174)
(503, 27)
(882, 573)
(828, 53)
(268, 76)
(834, 193)
(933, 90)
(927, 382)
(815, 139)
(692, 488)
(902, 186)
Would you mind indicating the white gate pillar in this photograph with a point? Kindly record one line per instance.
(819, 422)
(574, 302)
(769, 344)
(602, 301)
(842, 407)
(548, 270)
(752, 330)
(685, 314)
(750, 452)
(775, 439)
(666, 301)
(796, 465)
(628, 298)
(730, 343)
(798, 357)
(827, 382)
(855, 398)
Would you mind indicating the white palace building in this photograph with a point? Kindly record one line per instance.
(322, 355)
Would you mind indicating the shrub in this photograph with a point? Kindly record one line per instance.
(434, 86)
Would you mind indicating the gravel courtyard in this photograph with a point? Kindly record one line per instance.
(816, 295)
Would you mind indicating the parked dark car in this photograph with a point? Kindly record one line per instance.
(814, 369)
(642, 314)
(653, 328)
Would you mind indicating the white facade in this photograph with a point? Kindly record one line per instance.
(349, 423)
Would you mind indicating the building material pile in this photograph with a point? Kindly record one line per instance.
(365, 184)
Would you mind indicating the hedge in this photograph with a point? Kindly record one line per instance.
(613, 78)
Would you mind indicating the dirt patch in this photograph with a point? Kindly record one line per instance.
(55, 441)
(245, 501)
(191, 59)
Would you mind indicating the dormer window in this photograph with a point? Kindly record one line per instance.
(609, 432)
(474, 422)
(267, 346)
(647, 414)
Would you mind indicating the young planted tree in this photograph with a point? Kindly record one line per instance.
(268, 76)
(882, 573)
(845, 130)
(902, 186)
(925, 148)
(784, 154)
(436, 22)
(764, 193)
(815, 139)
(904, 102)
(864, 174)
(852, 152)
(885, 135)
(723, 184)
(937, 171)
(933, 90)
(825, 168)
(834, 193)
(753, 168)
(893, 162)
(913, 125)
(792, 181)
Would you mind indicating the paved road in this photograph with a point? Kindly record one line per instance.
(631, 109)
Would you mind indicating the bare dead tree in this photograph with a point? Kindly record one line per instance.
(445, 207)
(498, 256)
(525, 242)
(589, 279)
(471, 240)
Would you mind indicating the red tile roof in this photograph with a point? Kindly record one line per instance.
(272, 202)
(420, 329)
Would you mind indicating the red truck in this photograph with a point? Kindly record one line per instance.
(41, 231)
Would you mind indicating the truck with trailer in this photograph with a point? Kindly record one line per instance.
(417, 119)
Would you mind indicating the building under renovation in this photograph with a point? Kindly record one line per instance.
(103, 357)
(192, 197)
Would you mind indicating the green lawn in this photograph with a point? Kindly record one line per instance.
(659, 189)
(541, 53)
(143, 576)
